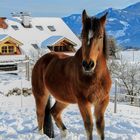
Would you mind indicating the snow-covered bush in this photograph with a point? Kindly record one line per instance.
(17, 92)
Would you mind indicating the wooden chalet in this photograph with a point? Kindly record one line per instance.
(59, 44)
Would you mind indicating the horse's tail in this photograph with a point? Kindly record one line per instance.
(48, 124)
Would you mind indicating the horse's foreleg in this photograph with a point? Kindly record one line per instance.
(99, 115)
(40, 111)
(85, 109)
(56, 111)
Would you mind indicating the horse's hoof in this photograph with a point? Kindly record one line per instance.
(64, 133)
(41, 132)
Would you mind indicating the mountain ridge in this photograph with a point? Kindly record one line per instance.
(122, 24)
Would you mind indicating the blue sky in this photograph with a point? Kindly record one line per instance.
(60, 8)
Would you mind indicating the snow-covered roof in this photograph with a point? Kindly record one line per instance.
(51, 41)
(4, 37)
(36, 35)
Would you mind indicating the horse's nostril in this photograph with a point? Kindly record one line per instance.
(88, 66)
(91, 64)
(84, 63)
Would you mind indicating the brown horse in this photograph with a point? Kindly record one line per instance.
(83, 79)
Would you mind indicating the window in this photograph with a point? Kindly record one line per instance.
(39, 27)
(15, 27)
(4, 50)
(7, 50)
(35, 46)
(51, 28)
(11, 49)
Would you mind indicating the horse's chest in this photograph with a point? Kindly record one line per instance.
(96, 93)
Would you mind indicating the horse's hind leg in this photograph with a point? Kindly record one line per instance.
(99, 115)
(56, 111)
(41, 102)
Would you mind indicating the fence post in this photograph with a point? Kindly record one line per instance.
(27, 68)
(115, 102)
(133, 56)
(21, 93)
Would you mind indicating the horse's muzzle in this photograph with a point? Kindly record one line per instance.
(88, 66)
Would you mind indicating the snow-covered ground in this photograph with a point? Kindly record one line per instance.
(130, 55)
(18, 121)
(10, 81)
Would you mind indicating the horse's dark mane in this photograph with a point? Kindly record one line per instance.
(94, 24)
(105, 46)
(79, 53)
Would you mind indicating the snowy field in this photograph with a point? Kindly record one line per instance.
(19, 122)
(130, 55)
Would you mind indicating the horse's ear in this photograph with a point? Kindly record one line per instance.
(103, 18)
(84, 16)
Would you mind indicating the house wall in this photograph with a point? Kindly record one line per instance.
(63, 46)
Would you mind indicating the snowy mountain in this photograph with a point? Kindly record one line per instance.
(123, 24)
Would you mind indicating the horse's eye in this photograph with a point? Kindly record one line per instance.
(100, 37)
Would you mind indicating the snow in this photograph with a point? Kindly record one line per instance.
(124, 23)
(112, 19)
(3, 36)
(11, 58)
(119, 33)
(12, 81)
(51, 41)
(19, 122)
(125, 40)
(130, 55)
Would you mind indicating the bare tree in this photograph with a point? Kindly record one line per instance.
(113, 47)
(128, 75)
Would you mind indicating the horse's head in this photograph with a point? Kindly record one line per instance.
(93, 34)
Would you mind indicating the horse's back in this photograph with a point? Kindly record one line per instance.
(45, 60)
(43, 66)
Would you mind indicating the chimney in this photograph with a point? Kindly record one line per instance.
(26, 19)
(3, 24)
